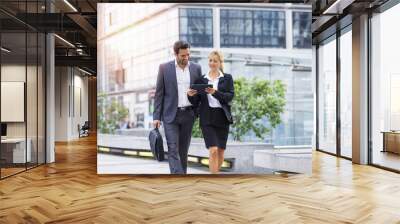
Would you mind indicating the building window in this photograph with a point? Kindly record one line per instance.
(252, 28)
(302, 29)
(195, 27)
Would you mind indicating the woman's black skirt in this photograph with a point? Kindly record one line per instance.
(216, 130)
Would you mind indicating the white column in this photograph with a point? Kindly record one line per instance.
(216, 28)
(50, 99)
(360, 90)
(71, 103)
(314, 86)
(50, 91)
(63, 104)
(289, 29)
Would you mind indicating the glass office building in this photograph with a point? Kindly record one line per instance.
(270, 42)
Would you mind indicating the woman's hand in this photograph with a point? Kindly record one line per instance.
(191, 92)
(210, 90)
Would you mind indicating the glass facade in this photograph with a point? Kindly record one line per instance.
(382, 72)
(327, 96)
(300, 126)
(196, 26)
(346, 94)
(385, 89)
(252, 28)
(22, 88)
(301, 29)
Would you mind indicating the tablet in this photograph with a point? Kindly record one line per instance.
(200, 87)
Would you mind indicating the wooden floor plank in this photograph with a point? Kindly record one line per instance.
(70, 191)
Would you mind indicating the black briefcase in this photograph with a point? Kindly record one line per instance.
(156, 144)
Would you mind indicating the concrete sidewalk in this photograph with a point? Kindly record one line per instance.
(112, 164)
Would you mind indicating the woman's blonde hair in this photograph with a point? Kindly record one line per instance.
(220, 57)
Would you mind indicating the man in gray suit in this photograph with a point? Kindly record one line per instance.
(172, 107)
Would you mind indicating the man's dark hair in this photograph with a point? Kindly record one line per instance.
(180, 44)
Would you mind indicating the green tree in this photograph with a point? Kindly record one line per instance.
(109, 114)
(255, 99)
(196, 131)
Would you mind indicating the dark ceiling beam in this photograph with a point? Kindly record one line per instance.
(16, 18)
(65, 51)
(80, 19)
(49, 22)
(332, 29)
(76, 61)
(91, 5)
(86, 26)
(322, 23)
(53, 22)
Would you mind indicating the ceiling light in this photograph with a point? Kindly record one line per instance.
(337, 7)
(5, 50)
(64, 40)
(70, 5)
(331, 7)
(86, 72)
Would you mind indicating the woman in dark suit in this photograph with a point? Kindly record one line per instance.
(214, 109)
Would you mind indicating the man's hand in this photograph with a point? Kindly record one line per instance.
(192, 92)
(157, 123)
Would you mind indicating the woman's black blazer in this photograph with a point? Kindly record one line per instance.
(224, 95)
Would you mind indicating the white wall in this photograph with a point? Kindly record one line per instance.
(13, 73)
(61, 103)
(79, 115)
(71, 94)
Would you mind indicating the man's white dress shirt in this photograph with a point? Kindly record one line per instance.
(183, 80)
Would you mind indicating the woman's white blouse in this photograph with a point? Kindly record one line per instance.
(212, 101)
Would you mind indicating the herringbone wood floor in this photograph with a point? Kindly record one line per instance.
(70, 191)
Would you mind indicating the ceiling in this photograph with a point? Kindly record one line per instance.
(332, 15)
(74, 22)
